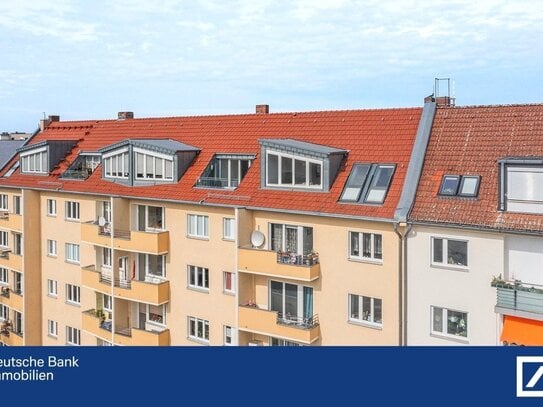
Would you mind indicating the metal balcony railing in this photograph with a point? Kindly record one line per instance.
(309, 259)
(297, 322)
(212, 182)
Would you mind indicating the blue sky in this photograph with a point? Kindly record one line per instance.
(89, 60)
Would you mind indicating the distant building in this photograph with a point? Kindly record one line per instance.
(4, 136)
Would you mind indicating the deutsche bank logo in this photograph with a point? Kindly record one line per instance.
(529, 376)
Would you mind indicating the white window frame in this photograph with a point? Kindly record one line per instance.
(51, 207)
(229, 336)
(229, 225)
(193, 321)
(18, 283)
(107, 257)
(52, 248)
(18, 244)
(373, 255)
(293, 157)
(444, 253)
(361, 311)
(72, 254)
(33, 161)
(107, 302)
(73, 336)
(52, 328)
(73, 294)
(192, 274)
(4, 276)
(147, 225)
(155, 321)
(444, 326)
(299, 237)
(4, 202)
(52, 288)
(198, 226)
(232, 289)
(4, 312)
(4, 239)
(148, 274)
(138, 152)
(72, 211)
(116, 164)
(17, 205)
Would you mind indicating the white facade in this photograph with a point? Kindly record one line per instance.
(457, 292)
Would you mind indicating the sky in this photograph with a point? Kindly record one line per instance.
(90, 59)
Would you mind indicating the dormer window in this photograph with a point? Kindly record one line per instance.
(295, 164)
(83, 166)
(521, 185)
(35, 161)
(225, 171)
(153, 166)
(115, 164)
(368, 183)
(41, 158)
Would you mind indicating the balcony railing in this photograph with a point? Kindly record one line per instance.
(309, 259)
(298, 322)
(4, 292)
(518, 296)
(212, 182)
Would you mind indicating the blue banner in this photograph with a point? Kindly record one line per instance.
(254, 376)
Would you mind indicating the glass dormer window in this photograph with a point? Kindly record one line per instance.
(225, 171)
(293, 171)
(83, 166)
(35, 161)
(153, 166)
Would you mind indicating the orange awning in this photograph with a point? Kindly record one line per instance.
(522, 331)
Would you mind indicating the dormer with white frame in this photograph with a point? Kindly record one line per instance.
(41, 158)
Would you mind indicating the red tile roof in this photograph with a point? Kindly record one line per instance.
(379, 136)
(470, 141)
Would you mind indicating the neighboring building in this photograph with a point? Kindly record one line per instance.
(255, 229)
(5, 136)
(8, 149)
(475, 249)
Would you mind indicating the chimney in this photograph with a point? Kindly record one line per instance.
(262, 109)
(125, 115)
(445, 101)
(46, 122)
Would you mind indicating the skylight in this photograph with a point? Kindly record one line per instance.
(460, 185)
(368, 183)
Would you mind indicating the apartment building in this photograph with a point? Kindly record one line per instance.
(475, 246)
(253, 229)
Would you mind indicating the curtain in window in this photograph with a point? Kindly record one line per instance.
(308, 303)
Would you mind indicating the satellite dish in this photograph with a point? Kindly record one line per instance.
(257, 238)
(102, 221)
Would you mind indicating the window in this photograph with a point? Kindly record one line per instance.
(52, 248)
(156, 313)
(3, 202)
(4, 238)
(366, 310)
(293, 171)
(52, 288)
(116, 165)
(18, 282)
(229, 282)
(368, 183)
(4, 276)
(73, 294)
(18, 244)
(366, 246)
(17, 322)
(17, 208)
(52, 328)
(51, 207)
(449, 322)
(291, 239)
(73, 336)
(72, 210)
(294, 303)
(228, 228)
(107, 302)
(157, 167)
(11, 170)
(4, 312)
(456, 185)
(35, 161)
(225, 171)
(282, 342)
(198, 226)
(72, 253)
(521, 188)
(449, 252)
(106, 257)
(155, 266)
(151, 218)
(198, 329)
(229, 336)
(198, 277)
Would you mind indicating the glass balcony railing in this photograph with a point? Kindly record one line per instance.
(518, 296)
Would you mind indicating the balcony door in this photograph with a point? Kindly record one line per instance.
(290, 238)
(123, 269)
(293, 302)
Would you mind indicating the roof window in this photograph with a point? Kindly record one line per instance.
(368, 183)
(460, 185)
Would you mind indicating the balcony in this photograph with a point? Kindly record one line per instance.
(95, 280)
(10, 260)
(142, 337)
(516, 296)
(92, 323)
(281, 265)
(142, 291)
(11, 221)
(213, 182)
(130, 241)
(272, 323)
(9, 336)
(11, 299)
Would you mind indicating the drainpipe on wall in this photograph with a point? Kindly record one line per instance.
(402, 280)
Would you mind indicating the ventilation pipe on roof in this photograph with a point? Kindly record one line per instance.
(125, 115)
(262, 109)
